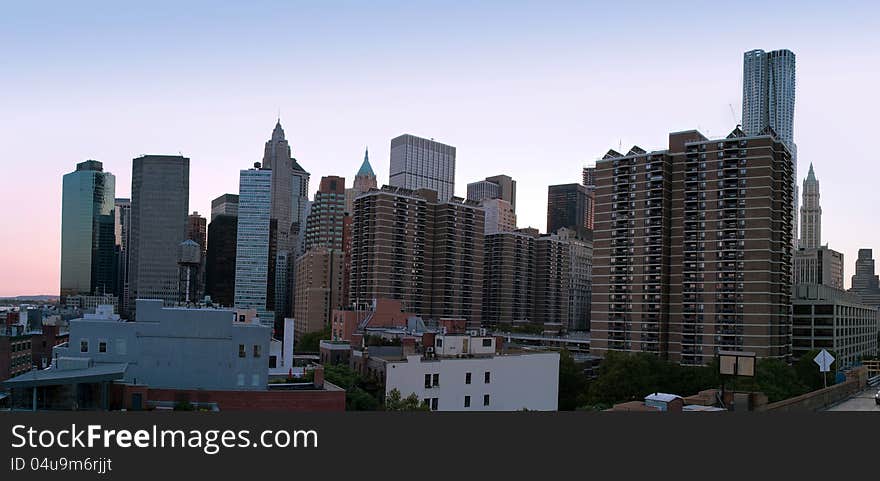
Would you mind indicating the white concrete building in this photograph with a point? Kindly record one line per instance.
(464, 373)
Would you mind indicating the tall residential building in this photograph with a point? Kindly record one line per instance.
(252, 243)
(768, 101)
(319, 274)
(589, 175)
(418, 163)
(811, 213)
(567, 206)
(509, 276)
(818, 265)
(88, 260)
(500, 216)
(692, 248)
(324, 222)
(769, 93)
(122, 229)
(226, 204)
(364, 180)
(865, 282)
(580, 277)
(220, 256)
(590, 184)
(159, 206)
(833, 319)
(552, 276)
(496, 187)
(289, 194)
(408, 245)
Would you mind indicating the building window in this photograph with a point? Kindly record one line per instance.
(241, 351)
(257, 350)
(487, 378)
(240, 380)
(427, 381)
(255, 380)
(102, 346)
(487, 342)
(436, 380)
(467, 401)
(467, 378)
(273, 362)
(485, 399)
(434, 404)
(84, 345)
(439, 342)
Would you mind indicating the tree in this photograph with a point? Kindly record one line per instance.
(572, 382)
(395, 402)
(360, 394)
(310, 342)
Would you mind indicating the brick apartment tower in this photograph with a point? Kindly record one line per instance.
(693, 248)
(428, 254)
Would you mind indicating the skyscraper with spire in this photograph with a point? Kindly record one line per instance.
(288, 194)
(364, 180)
(811, 213)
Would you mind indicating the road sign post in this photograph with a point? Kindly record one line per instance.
(824, 359)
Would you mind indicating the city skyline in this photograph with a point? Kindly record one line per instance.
(560, 90)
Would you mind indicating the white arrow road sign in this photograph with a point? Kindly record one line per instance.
(824, 360)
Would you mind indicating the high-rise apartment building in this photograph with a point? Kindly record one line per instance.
(552, 278)
(590, 184)
(122, 230)
(220, 256)
(589, 175)
(509, 276)
(418, 163)
(364, 180)
(88, 259)
(769, 93)
(811, 213)
(567, 206)
(535, 278)
(693, 248)
(159, 207)
(865, 282)
(580, 276)
(499, 215)
(768, 101)
(408, 245)
(319, 274)
(253, 243)
(324, 222)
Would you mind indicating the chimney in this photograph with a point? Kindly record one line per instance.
(319, 377)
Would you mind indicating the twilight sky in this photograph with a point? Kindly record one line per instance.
(528, 89)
